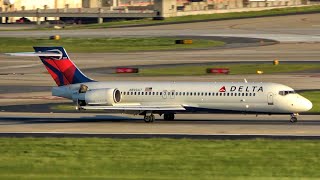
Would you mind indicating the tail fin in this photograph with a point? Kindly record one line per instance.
(59, 65)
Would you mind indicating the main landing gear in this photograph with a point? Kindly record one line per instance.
(293, 118)
(149, 118)
(168, 117)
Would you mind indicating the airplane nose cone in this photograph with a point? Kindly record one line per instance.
(303, 104)
(308, 105)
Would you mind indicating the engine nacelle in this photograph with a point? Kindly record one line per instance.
(101, 96)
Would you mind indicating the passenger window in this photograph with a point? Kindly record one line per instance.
(160, 93)
(138, 93)
(220, 94)
(246, 94)
(153, 93)
(228, 94)
(184, 93)
(254, 94)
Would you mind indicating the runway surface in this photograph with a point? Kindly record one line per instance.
(171, 136)
(24, 81)
(190, 124)
(295, 28)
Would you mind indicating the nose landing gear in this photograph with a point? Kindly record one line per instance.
(293, 118)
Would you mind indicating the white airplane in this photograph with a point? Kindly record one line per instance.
(166, 98)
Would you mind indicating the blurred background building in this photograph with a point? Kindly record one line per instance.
(163, 8)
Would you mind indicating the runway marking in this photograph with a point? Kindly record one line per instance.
(156, 135)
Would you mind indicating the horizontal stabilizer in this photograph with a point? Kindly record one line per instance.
(36, 54)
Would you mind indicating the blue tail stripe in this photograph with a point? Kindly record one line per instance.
(79, 77)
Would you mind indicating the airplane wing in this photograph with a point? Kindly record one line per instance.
(137, 107)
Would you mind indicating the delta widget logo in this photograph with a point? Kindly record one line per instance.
(223, 89)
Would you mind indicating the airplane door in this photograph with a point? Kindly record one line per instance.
(164, 94)
(270, 98)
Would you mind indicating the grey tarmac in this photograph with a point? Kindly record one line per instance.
(208, 124)
(294, 28)
(299, 41)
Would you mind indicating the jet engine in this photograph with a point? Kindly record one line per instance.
(100, 97)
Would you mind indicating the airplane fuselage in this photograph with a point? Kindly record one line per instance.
(201, 97)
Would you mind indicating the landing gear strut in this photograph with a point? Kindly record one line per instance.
(149, 118)
(293, 118)
(168, 117)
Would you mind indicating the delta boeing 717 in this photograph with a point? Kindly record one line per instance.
(166, 99)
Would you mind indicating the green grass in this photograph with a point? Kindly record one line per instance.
(103, 44)
(314, 97)
(93, 158)
(216, 16)
(234, 69)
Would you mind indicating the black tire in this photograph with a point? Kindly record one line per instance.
(152, 118)
(293, 119)
(147, 119)
(171, 117)
(168, 117)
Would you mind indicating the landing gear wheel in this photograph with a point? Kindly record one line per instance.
(149, 118)
(293, 119)
(152, 118)
(168, 117)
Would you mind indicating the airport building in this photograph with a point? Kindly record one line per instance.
(164, 8)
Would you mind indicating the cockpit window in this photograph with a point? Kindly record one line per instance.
(283, 93)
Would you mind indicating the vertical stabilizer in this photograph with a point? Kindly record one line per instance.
(60, 67)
